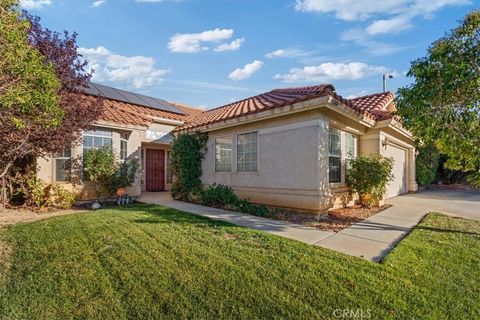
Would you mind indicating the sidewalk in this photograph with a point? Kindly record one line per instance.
(370, 239)
(279, 228)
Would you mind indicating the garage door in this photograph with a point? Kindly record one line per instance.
(399, 184)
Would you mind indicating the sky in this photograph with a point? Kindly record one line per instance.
(207, 53)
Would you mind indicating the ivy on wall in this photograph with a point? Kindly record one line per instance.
(188, 151)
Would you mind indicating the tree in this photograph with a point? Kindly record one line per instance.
(442, 106)
(29, 102)
(43, 110)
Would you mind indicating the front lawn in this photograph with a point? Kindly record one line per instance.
(147, 262)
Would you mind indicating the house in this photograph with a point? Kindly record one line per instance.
(287, 147)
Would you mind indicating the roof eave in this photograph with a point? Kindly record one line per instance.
(395, 125)
(263, 115)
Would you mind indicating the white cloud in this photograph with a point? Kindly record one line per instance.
(194, 42)
(392, 25)
(331, 71)
(232, 46)
(98, 3)
(288, 53)
(388, 15)
(35, 4)
(135, 71)
(376, 48)
(247, 71)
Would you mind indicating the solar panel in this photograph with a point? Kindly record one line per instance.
(130, 97)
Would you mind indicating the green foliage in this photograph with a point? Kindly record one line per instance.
(99, 165)
(427, 165)
(188, 151)
(442, 106)
(368, 176)
(218, 195)
(39, 195)
(123, 177)
(221, 196)
(28, 85)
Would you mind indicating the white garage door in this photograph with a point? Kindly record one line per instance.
(399, 184)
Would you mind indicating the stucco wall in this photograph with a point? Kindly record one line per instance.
(292, 167)
(137, 140)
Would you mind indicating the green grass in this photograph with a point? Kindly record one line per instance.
(149, 262)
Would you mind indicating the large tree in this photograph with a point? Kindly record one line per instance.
(442, 106)
(29, 88)
(42, 108)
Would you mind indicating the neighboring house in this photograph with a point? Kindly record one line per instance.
(287, 147)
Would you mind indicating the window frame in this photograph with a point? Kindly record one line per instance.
(339, 156)
(231, 138)
(123, 152)
(93, 135)
(257, 151)
(344, 157)
(55, 166)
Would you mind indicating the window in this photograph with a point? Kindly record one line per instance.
(223, 154)
(350, 148)
(247, 152)
(123, 146)
(63, 165)
(342, 148)
(97, 138)
(335, 156)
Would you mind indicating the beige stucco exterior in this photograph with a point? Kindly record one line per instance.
(293, 153)
(156, 136)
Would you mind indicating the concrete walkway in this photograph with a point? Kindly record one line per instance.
(370, 239)
(374, 237)
(280, 228)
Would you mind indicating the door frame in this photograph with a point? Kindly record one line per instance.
(162, 165)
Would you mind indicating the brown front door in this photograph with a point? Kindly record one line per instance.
(155, 173)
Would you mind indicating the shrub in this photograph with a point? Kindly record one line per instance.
(99, 165)
(218, 195)
(188, 151)
(221, 196)
(427, 165)
(123, 177)
(58, 197)
(368, 176)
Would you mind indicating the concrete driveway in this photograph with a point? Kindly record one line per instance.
(465, 203)
(374, 237)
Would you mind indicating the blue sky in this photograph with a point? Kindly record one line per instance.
(208, 53)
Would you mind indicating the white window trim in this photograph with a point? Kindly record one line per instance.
(232, 166)
(258, 152)
(55, 168)
(126, 141)
(93, 135)
(343, 157)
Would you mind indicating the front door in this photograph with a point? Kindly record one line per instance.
(155, 173)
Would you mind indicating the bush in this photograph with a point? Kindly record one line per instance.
(37, 194)
(58, 197)
(123, 177)
(427, 165)
(99, 165)
(219, 196)
(368, 176)
(188, 151)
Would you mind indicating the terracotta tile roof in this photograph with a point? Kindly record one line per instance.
(132, 114)
(258, 103)
(375, 104)
(189, 110)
